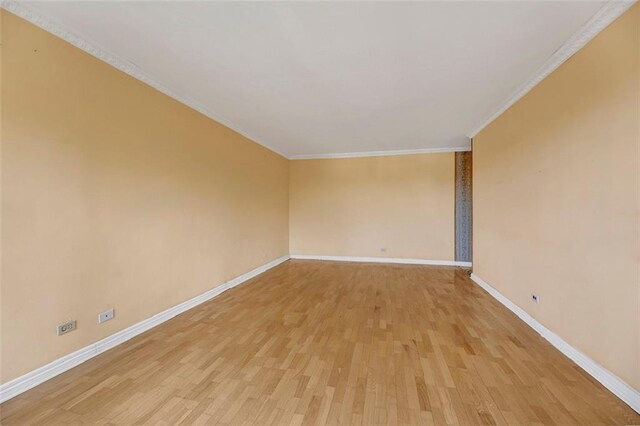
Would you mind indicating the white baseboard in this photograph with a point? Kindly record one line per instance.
(23, 383)
(609, 380)
(382, 260)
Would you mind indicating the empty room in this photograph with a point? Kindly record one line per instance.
(320, 213)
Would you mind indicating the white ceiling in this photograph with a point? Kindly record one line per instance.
(314, 78)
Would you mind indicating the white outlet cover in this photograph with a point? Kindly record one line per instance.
(106, 316)
(66, 327)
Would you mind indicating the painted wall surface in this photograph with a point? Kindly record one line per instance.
(556, 191)
(115, 195)
(358, 206)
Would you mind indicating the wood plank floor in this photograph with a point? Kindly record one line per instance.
(337, 344)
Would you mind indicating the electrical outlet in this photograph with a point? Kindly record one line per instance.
(66, 327)
(535, 298)
(383, 249)
(106, 316)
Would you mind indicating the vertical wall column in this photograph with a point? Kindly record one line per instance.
(463, 206)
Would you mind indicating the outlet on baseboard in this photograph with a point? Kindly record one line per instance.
(66, 327)
(106, 316)
(535, 298)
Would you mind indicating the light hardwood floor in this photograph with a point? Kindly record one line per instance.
(332, 343)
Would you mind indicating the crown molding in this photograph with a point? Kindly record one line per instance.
(92, 48)
(83, 43)
(598, 22)
(379, 153)
(605, 16)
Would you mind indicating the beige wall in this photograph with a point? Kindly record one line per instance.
(357, 206)
(115, 195)
(556, 200)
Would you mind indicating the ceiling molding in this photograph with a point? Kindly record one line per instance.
(605, 16)
(92, 48)
(379, 153)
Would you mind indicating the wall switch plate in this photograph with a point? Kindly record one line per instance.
(66, 327)
(535, 297)
(106, 316)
